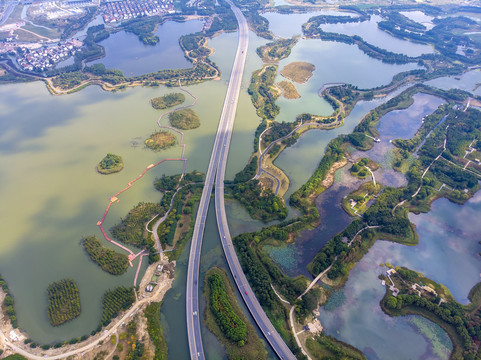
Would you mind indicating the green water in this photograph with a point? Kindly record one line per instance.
(53, 197)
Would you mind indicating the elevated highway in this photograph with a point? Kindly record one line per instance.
(224, 127)
(218, 162)
(250, 299)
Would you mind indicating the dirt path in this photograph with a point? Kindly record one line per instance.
(91, 342)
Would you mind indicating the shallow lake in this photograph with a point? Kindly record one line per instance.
(447, 253)
(369, 31)
(124, 50)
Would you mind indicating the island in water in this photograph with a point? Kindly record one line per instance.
(160, 140)
(184, 119)
(110, 164)
(167, 101)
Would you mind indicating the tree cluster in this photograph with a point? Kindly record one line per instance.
(467, 326)
(109, 260)
(184, 119)
(262, 95)
(131, 229)
(167, 101)
(144, 28)
(156, 333)
(248, 172)
(8, 303)
(113, 301)
(63, 302)
(111, 163)
(229, 322)
(260, 203)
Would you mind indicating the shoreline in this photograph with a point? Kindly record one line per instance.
(80, 349)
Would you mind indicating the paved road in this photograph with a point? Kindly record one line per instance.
(219, 153)
(228, 115)
(230, 102)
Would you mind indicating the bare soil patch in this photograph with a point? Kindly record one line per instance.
(298, 71)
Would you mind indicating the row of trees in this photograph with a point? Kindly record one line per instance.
(8, 303)
(429, 123)
(156, 333)
(229, 322)
(260, 280)
(328, 347)
(63, 302)
(113, 301)
(312, 29)
(339, 19)
(109, 260)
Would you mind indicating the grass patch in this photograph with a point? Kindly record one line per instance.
(160, 140)
(289, 90)
(252, 347)
(167, 101)
(327, 347)
(49, 33)
(298, 71)
(185, 119)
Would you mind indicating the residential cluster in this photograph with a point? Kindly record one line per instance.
(46, 57)
(124, 10)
